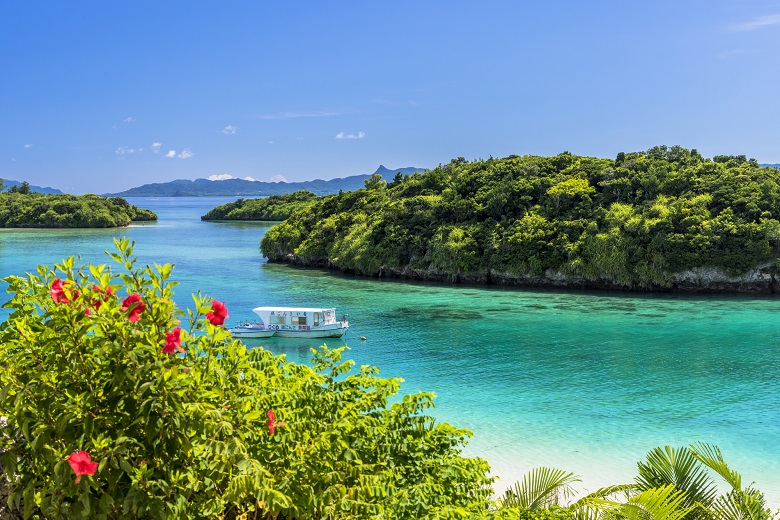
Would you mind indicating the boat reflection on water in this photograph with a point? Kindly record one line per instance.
(298, 350)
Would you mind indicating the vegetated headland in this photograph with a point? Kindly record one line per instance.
(275, 207)
(666, 219)
(22, 208)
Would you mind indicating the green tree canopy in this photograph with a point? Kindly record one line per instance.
(636, 221)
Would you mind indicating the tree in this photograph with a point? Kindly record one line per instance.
(23, 188)
(375, 182)
(570, 193)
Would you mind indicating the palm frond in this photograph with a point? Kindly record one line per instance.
(679, 468)
(627, 490)
(587, 507)
(710, 456)
(747, 504)
(662, 503)
(584, 511)
(539, 488)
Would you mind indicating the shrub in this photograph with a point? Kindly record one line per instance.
(121, 405)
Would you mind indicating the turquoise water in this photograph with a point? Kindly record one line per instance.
(587, 382)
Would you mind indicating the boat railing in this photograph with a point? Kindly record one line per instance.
(246, 324)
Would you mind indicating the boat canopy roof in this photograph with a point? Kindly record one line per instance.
(258, 310)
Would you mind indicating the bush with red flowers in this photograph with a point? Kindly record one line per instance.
(121, 405)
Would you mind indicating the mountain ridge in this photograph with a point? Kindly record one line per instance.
(8, 183)
(241, 187)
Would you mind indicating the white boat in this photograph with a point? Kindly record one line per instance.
(301, 322)
(251, 330)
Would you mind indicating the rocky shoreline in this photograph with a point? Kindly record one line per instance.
(702, 280)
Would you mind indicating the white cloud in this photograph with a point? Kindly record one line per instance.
(271, 142)
(227, 176)
(185, 154)
(757, 23)
(229, 130)
(130, 119)
(28, 146)
(126, 150)
(278, 178)
(156, 147)
(294, 115)
(344, 135)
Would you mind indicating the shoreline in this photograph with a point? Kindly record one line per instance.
(699, 280)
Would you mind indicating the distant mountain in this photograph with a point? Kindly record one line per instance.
(771, 165)
(387, 173)
(37, 189)
(241, 187)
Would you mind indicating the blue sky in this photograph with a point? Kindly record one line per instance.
(103, 96)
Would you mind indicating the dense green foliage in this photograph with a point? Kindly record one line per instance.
(631, 222)
(188, 435)
(22, 208)
(275, 207)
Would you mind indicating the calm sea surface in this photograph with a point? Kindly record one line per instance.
(587, 382)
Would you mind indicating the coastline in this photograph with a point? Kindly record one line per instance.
(698, 280)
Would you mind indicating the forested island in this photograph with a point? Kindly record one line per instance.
(665, 219)
(275, 207)
(22, 208)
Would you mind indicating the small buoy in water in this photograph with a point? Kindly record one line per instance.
(363, 338)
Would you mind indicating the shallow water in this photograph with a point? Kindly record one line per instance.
(587, 382)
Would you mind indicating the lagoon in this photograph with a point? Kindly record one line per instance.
(585, 381)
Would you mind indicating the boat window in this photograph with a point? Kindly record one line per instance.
(300, 320)
(278, 320)
(316, 318)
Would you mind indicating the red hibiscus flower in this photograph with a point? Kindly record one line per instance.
(106, 295)
(58, 294)
(82, 464)
(273, 423)
(172, 341)
(218, 313)
(134, 306)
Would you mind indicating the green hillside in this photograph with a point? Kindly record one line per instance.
(637, 221)
(35, 210)
(275, 207)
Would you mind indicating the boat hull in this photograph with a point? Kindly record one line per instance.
(249, 332)
(246, 332)
(327, 333)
